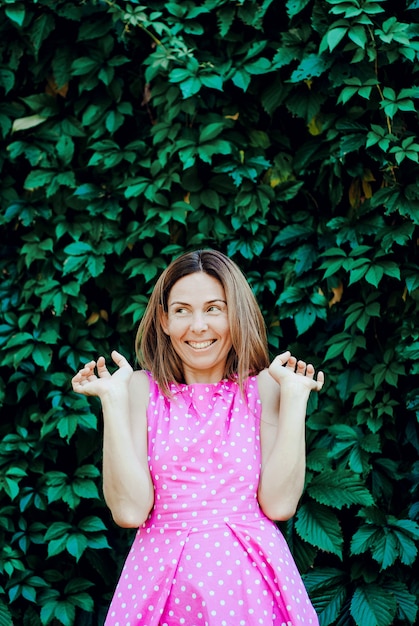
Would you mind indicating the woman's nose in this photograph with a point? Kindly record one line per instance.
(198, 322)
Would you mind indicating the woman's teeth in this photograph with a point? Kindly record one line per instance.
(201, 344)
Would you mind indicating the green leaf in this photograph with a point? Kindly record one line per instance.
(67, 426)
(98, 542)
(38, 178)
(190, 87)
(83, 66)
(387, 540)
(91, 524)
(406, 601)
(16, 13)
(47, 612)
(311, 66)
(42, 355)
(65, 612)
(78, 248)
(77, 585)
(339, 488)
(241, 79)
(358, 35)
(76, 545)
(306, 316)
(86, 489)
(24, 123)
(42, 27)
(213, 81)
(87, 471)
(7, 80)
(360, 313)
(328, 590)
(305, 257)
(258, 66)
(210, 131)
(5, 615)
(92, 29)
(55, 546)
(373, 275)
(57, 530)
(382, 544)
(295, 6)
(319, 526)
(290, 234)
(346, 345)
(371, 605)
(211, 199)
(407, 534)
(95, 265)
(335, 36)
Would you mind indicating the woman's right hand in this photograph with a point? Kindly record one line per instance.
(88, 383)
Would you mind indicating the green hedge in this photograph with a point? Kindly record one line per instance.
(284, 133)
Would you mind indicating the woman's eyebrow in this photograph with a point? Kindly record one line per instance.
(179, 303)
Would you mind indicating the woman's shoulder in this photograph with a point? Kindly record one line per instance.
(139, 386)
(141, 377)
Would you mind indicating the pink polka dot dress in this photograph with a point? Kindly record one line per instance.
(207, 555)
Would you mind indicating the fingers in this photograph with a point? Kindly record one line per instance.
(298, 366)
(320, 380)
(301, 368)
(94, 378)
(287, 359)
(283, 358)
(102, 370)
(83, 376)
(308, 371)
(85, 372)
(119, 359)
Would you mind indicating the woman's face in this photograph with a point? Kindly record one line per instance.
(197, 324)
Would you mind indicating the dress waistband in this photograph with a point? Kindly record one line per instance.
(186, 522)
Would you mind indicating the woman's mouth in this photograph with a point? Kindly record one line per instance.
(200, 345)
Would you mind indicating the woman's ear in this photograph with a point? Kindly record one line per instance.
(163, 320)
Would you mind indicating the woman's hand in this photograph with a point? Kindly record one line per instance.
(88, 383)
(288, 371)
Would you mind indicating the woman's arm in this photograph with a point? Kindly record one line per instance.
(127, 484)
(284, 393)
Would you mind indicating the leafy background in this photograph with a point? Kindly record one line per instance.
(284, 134)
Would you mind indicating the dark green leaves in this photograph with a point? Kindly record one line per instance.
(344, 488)
(387, 539)
(284, 134)
(373, 606)
(327, 588)
(75, 540)
(320, 526)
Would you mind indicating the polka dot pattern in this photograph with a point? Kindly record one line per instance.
(207, 555)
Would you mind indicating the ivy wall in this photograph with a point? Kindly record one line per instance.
(284, 133)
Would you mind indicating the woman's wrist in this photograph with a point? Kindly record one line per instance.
(115, 398)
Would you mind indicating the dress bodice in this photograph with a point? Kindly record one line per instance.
(204, 450)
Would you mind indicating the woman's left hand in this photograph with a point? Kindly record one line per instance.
(287, 370)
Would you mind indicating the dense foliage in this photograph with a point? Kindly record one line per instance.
(283, 133)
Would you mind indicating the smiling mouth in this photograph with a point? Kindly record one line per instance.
(200, 345)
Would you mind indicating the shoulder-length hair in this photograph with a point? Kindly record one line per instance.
(249, 351)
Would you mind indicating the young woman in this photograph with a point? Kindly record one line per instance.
(203, 448)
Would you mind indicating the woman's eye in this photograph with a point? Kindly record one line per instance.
(214, 309)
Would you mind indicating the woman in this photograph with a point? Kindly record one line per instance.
(203, 448)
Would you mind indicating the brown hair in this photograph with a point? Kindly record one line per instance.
(249, 352)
